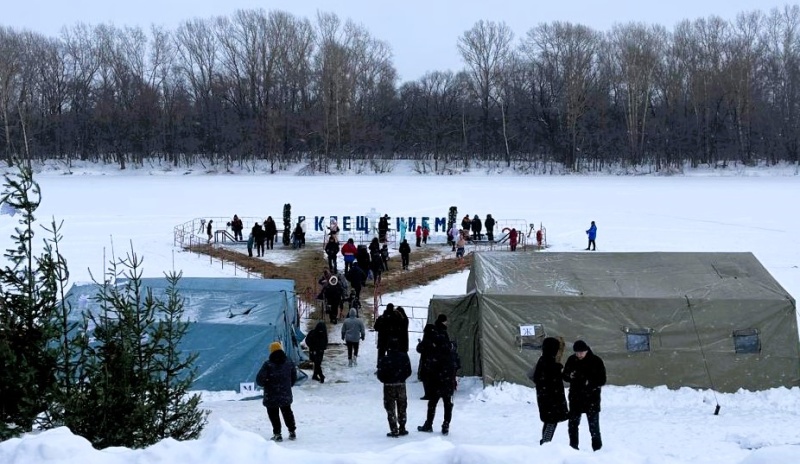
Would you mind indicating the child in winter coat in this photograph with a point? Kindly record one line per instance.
(277, 375)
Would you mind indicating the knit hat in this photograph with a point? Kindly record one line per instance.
(580, 345)
(275, 346)
(441, 318)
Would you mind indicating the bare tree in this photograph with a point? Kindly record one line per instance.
(486, 50)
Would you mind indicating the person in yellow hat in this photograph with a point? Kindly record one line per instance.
(277, 376)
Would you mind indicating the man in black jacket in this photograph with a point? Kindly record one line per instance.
(586, 374)
(277, 375)
(393, 370)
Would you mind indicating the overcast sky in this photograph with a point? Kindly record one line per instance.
(422, 33)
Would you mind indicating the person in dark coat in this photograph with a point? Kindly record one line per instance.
(405, 252)
(466, 223)
(259, 237)
(270, 231)
(357, 277)
(489, 223)
(332, 250)
(550, 396)
(376, 267)
(383, 228)
(363, 260)
(384, 326)
(237, 226)
(334, 294)
(586, 374)
(592, 234)
(317, 342)
(209, 230)
(393, 370)
(477, 227)
(424, 369)
(442, 376)
(277, 375)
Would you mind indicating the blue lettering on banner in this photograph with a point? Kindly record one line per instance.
(362, 223)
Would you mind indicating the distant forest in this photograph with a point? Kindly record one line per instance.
(269, 86)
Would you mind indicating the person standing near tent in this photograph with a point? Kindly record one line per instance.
(424, 368)
(277, 376)
(592, 233)
(393, 370)
(442, 376)
(317, 342)
(550, 396)
(489, 224)
(586, 374)
(353, 331)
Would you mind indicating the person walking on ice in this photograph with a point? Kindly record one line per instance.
(592, 233)
(277, 375)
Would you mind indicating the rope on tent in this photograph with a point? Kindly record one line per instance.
(703, 354)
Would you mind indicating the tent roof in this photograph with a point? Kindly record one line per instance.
(212, 300)
(720, 276)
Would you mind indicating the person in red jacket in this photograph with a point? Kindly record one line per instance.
(419, 235)
(512, 239)
(349, 252)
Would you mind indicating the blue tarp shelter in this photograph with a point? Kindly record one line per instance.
(233, 322)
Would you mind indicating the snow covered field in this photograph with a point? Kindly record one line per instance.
(342, 421)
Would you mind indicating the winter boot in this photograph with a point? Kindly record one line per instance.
(426, 427)
(445, 428)
(350, 362)
(402, 432)
(355, 360)
(292, 435)
(393, 434)
(277, 437)
(596, 444)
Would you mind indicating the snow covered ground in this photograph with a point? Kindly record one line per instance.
(105, 212)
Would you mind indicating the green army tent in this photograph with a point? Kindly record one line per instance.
(702, 320)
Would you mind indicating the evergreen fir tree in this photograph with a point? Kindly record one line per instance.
(135, 378)
(29, 289)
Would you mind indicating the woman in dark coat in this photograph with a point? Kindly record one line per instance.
(405, 251)
(317, 342)
(424, 369)
(277, 375)
(550, 396)
(441, 376)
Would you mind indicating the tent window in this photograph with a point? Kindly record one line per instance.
(637, 340)
(531, 336)
(746, 341)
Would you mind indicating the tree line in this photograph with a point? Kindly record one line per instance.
(269, 86)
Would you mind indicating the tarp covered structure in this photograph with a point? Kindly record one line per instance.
(233, 321)
(702, 320)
